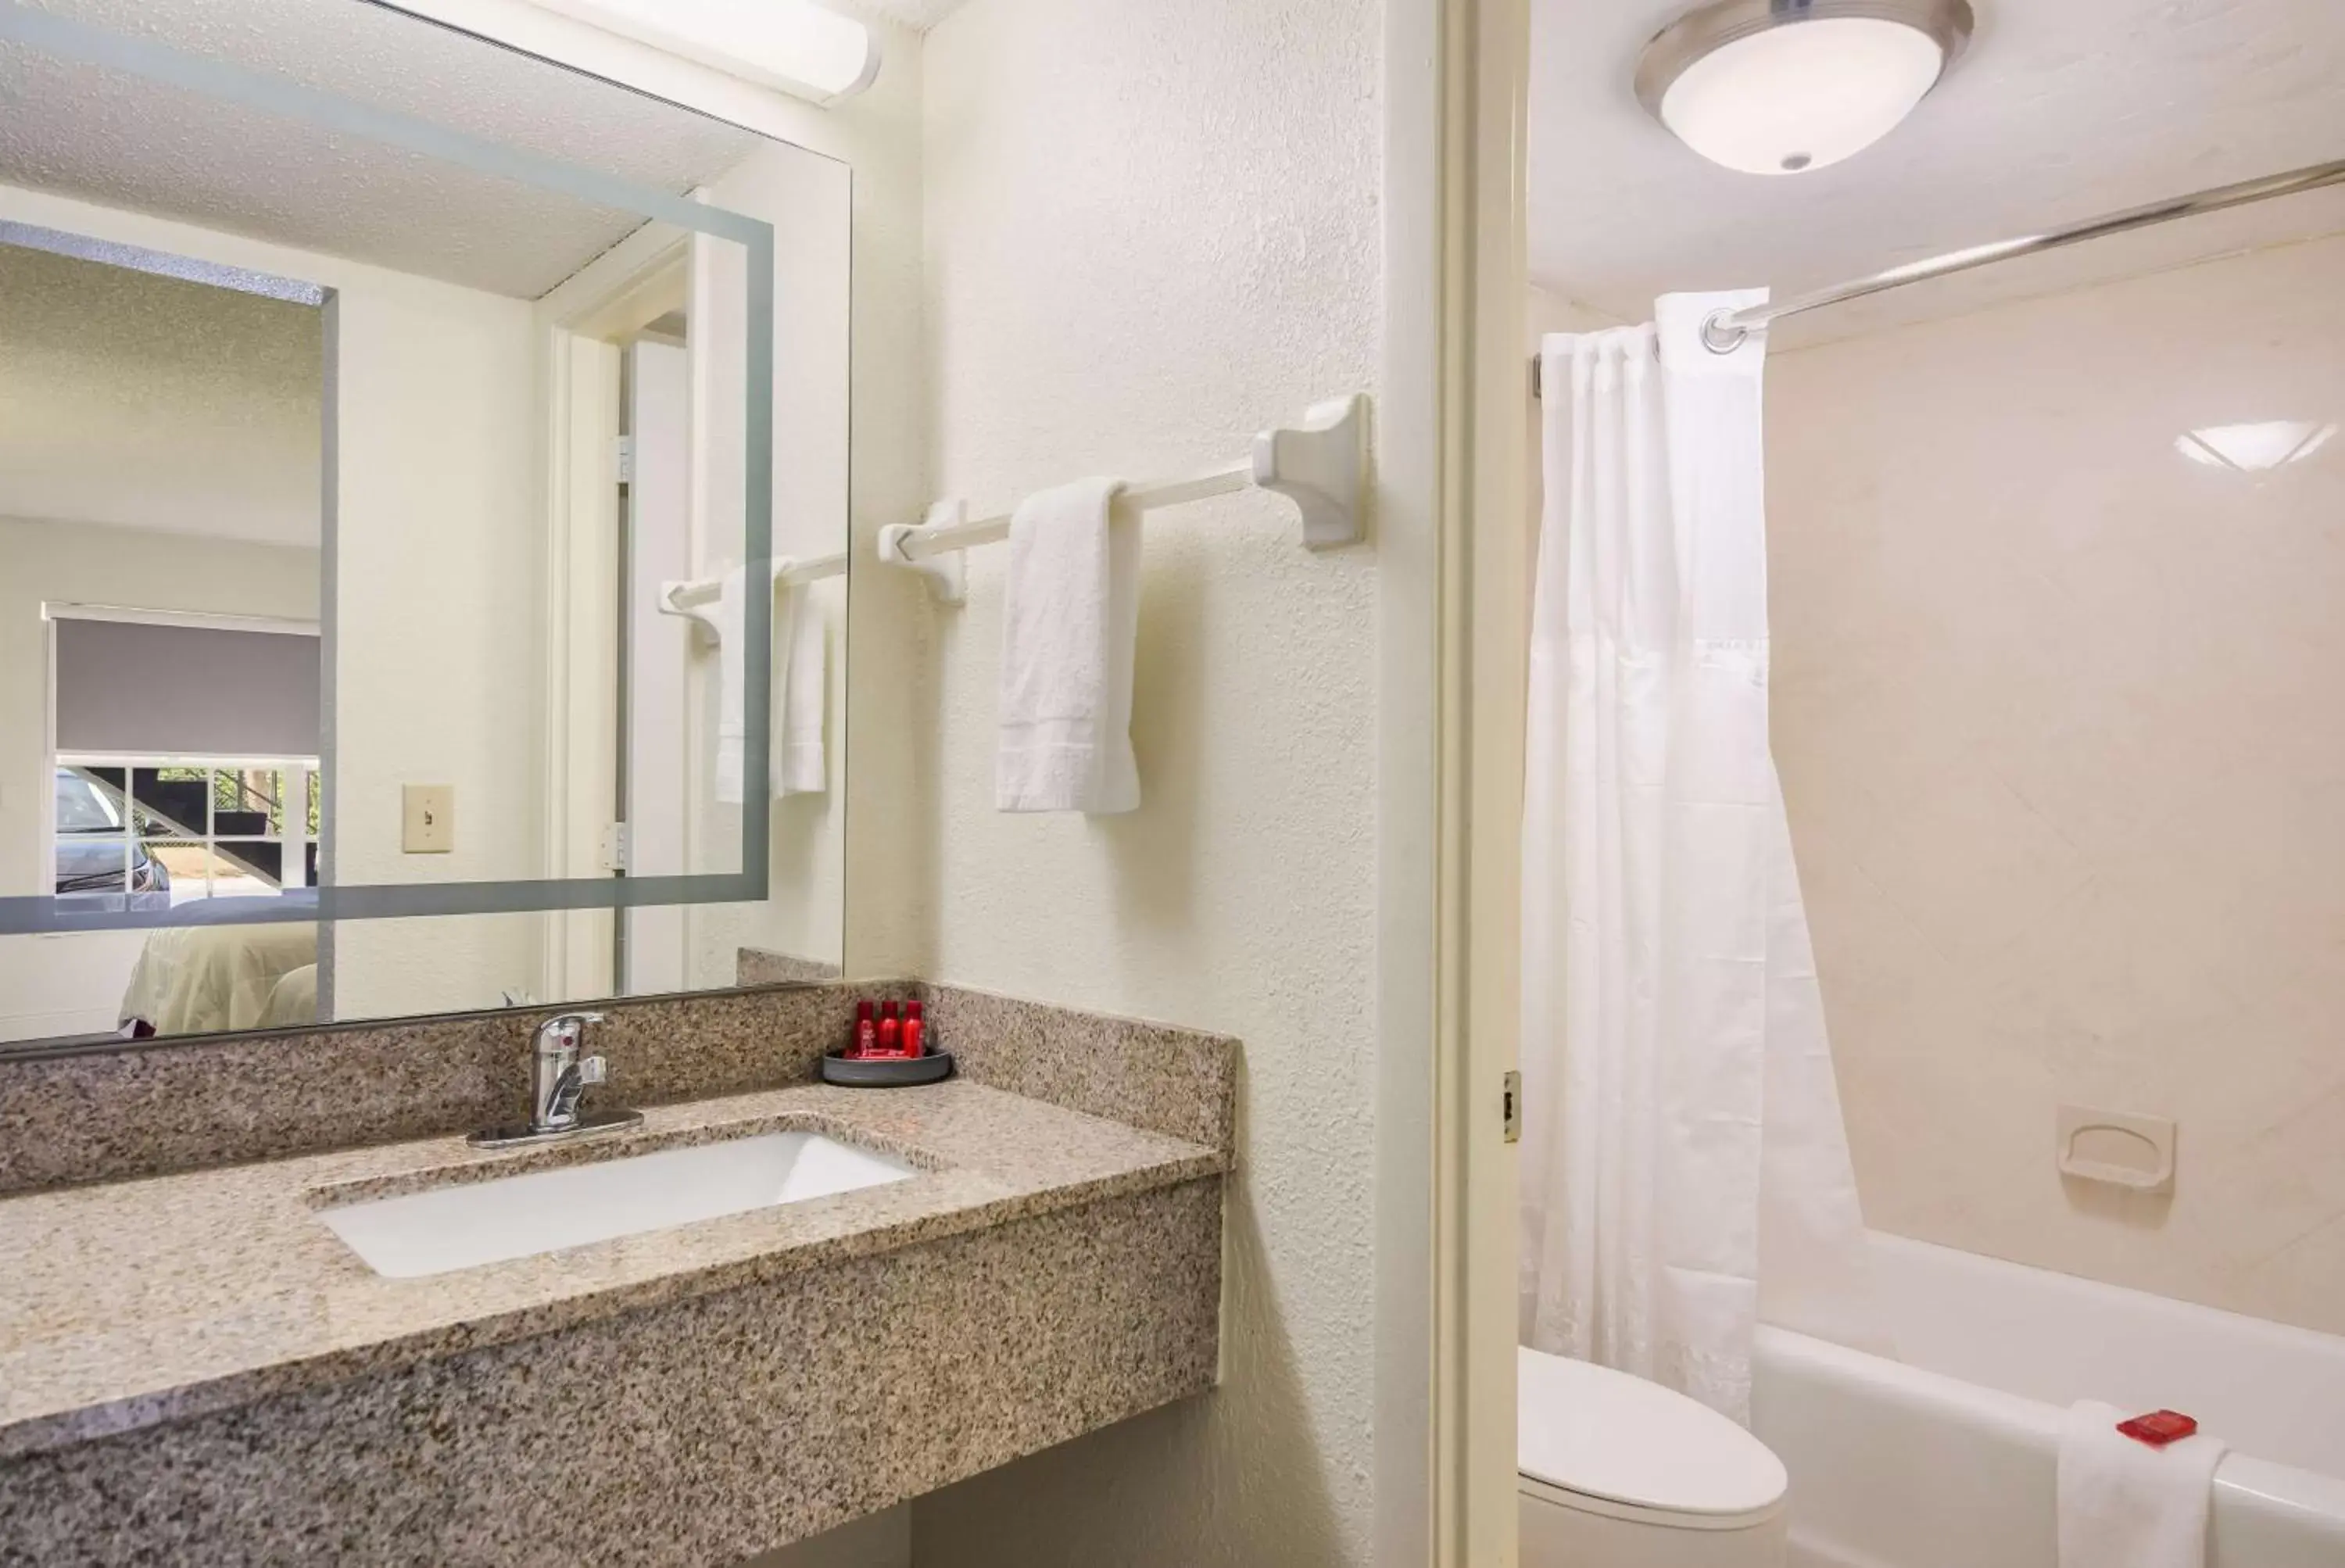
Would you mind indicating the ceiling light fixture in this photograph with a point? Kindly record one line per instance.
(1784, 86)
(793, 45)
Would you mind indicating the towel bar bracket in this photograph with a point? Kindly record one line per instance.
(674, 602)
(1321, 465)
(947, 570)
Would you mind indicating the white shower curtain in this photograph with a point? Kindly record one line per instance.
(1685, 1168)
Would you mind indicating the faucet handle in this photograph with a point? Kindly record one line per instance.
(564, 1030)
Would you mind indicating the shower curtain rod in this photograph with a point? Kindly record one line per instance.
(1724, 332)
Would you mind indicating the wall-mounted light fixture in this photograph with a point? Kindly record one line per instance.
(793, 45)
(1784, 87)
(2256, 448)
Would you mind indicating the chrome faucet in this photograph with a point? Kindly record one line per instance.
(558, 1076)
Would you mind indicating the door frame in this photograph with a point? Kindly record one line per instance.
(582, 322)
(1453, 549)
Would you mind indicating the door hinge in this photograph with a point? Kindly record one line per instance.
(1514, 1107)
(615, 847)
(623, 458)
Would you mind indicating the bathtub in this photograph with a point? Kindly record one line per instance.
(1947, 1457)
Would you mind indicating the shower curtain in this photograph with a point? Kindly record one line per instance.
(1685, 1169)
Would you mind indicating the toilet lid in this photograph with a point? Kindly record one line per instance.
(1590, 1429)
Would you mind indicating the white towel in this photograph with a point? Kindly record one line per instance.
(800, 765)
(1070, 619)
(2125, 1504)
(799, 694)
(732, 728)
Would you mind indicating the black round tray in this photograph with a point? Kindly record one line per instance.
(888, 1072)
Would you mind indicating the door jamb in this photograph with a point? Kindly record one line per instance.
(616, 295)
(1453, 553)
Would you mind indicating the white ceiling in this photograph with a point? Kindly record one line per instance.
(139, 402)
(2062, 109)
(124, 142)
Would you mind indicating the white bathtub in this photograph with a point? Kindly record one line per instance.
(1947, 1459)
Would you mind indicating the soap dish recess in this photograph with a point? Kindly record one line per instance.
(886, 1072)
(2118, 1148)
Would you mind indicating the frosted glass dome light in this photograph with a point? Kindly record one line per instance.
(1784, 87)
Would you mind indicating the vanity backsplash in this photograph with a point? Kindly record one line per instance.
(156, 1107)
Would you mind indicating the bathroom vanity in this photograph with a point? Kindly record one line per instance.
(198, 1366)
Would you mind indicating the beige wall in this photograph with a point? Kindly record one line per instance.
(2057, 718)
(438, 554)
(1151, 230)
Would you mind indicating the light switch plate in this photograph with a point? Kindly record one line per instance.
(428, 821)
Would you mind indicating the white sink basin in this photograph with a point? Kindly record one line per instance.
(463, 1226)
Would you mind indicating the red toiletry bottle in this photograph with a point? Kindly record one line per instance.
(916, 1030)
(891, 1031)
(867, 1035)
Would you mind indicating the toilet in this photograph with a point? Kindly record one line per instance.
(1614, 1471)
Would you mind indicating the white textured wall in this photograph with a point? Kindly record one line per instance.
(438, 546)
(2057, 718)
(71, 983)
(1153, 228)
(437, 622)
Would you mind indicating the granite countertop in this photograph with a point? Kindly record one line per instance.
(135, 1303)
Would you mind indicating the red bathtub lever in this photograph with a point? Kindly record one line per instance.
(2159, 1427)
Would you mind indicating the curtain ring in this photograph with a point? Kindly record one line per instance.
(1720, 338)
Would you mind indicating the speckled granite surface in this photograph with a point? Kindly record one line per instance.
(166, 1105)
(1179, 1082)
(756, 966)
(134, 1304)
(697, 1433)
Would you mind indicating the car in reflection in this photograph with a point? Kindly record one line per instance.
(90, 847)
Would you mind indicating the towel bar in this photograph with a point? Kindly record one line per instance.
(1321, 465)
(690, 599)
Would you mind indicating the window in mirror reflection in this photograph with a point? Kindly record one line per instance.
(171, 830)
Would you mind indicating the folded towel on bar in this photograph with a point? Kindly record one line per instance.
(2124, 1503)
(799, 694)
(800, 764)
(1070, 621)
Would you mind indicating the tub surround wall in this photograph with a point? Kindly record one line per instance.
(2056, 710)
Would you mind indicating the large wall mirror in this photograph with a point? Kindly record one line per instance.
(423, 529)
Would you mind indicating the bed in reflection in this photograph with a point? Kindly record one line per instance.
(197, 979)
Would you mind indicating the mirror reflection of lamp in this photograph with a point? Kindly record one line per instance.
(2256, 448)
(796, 46)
